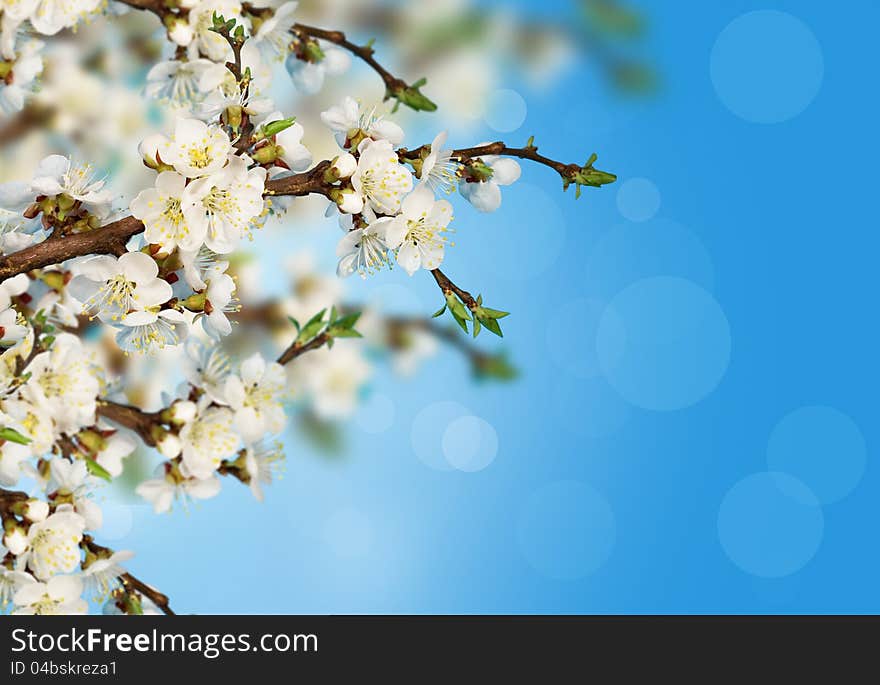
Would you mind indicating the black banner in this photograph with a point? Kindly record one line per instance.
(546, 648)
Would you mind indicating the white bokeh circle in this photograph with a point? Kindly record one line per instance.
(566, 530)
(822, 447)
(506, 110)
(117, 520)
(770, 524)
(428, 428)
(638, 199)
(664, 343)
(659, 247)
(348, 533)
(470, 443)
(767, 66)
(376, 413)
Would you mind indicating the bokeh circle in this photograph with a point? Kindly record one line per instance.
(470, 443)
(664, 343)
(822, 447)
(767, 66)
(770, 524)
(428, 428)
(638, 199)
(566, 530)
(506, 110)
(117, 520)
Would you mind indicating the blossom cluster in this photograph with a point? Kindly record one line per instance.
(20, 60)
(170, 285)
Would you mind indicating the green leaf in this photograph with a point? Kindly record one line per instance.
(439, 312)
(334, 332)
(412, 97)
(294, 322)
(97, 470)
(494, 367)
(13, 435)
(492, 325)
(313, 327)
(493, 313)
(276, 127)
(346, 322)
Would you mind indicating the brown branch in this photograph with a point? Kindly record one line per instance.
(138, 420)
(129, 582)
(105, 240)
(9, 498)
(157, 7)
(111, 239)
(296, 348)
(365, 53)
(133, 583)
(447, 286)
(529, 152)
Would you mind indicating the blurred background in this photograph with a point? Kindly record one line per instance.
(691, 421)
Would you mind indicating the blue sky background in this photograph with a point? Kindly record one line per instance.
(694, 427)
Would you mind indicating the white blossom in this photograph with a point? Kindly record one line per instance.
(115, 448)
(53, 544)
(330, 379)
(380, 178)
(60, 595)
(272, 36)
(262, 461)
(24, 65)
(207, 368)
(12, 455)
(71, 480)
(114, 289)
(255, 394)
(485, 196)
(417, 233)
(289, 147)
(364, 250)
(308, 77)
(161, 492)
(439, 170)
(207, 440)
(10, 582)
(225, 205)
(63, 384)
(58, 175)
(207, 42)
(219, 299)
(196, 149)
(162, 211)
(102, 575)
(349, 121)
(177, 81)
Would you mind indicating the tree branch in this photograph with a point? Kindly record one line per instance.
(132, 583)
(138, 420)
(296, 348)
(364, 53)
(111, 239)
(447, 286)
